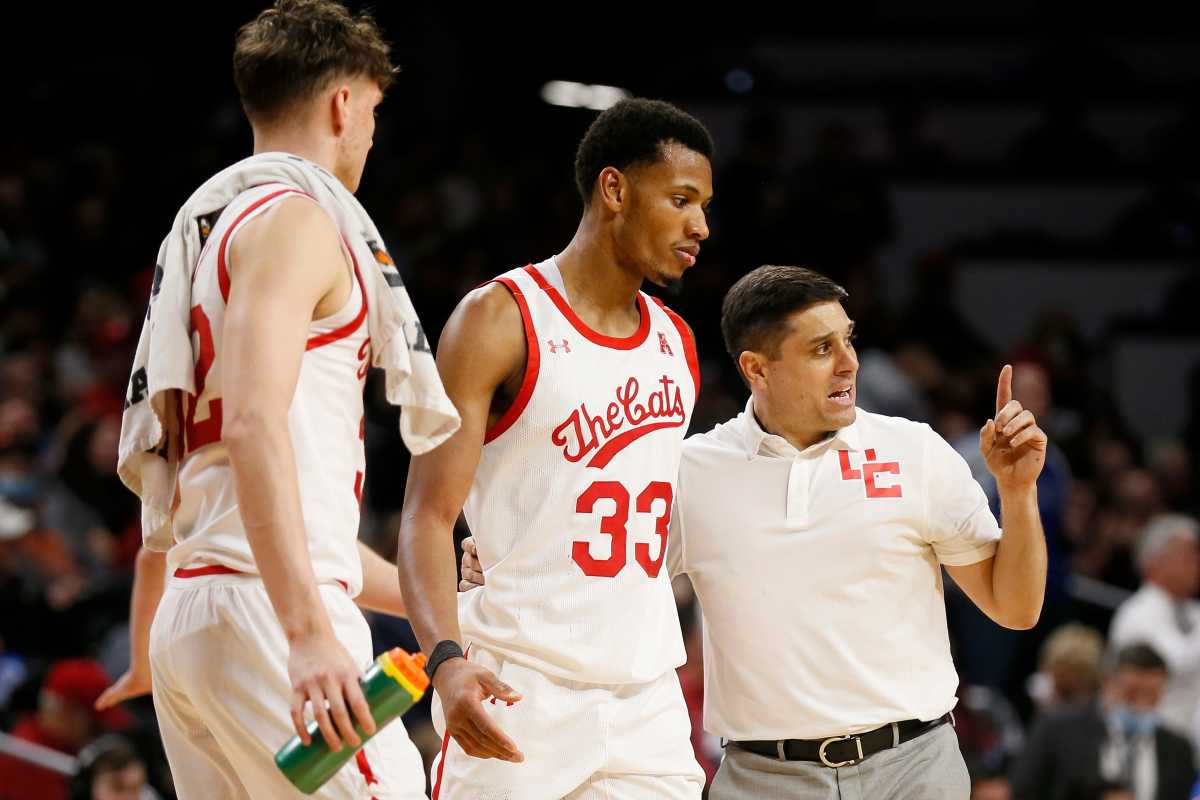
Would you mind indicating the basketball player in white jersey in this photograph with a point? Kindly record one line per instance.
(575, 390)
(256, 620)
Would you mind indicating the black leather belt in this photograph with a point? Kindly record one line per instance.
(843, 751)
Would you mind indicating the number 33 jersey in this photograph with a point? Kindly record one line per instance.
(572, 499)
(325, 420)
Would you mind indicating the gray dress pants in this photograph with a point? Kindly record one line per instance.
(929, 767)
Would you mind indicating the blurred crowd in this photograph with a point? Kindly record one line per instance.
(1115, 660)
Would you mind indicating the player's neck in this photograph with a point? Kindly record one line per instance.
(593, 275)
(298, 142)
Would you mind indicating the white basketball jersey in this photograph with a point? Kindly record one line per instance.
(325, 421)
(572, 499)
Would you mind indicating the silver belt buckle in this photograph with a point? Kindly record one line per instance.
(838, 764)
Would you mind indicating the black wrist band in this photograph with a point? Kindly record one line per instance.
(446, 648)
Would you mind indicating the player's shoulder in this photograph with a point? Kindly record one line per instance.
(492, 303)
(294, 219)
(488, 322)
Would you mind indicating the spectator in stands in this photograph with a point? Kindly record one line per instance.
(1165, 614)
(1069, 668)
(989, 784)
(1172, 465)
(64, 721)
(110, 769)
(933, 318)
(1070, 752)
(1133, 498)
(90, 505)
(1105, 790)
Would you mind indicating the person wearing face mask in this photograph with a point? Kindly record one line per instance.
(1165, 614)
(1119, 739)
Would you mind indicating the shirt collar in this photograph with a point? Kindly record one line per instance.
(758, 442)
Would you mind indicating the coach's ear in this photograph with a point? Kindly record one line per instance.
(752, 365)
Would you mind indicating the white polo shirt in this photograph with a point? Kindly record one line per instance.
(818, 573)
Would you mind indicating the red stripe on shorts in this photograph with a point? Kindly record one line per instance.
(221, 569)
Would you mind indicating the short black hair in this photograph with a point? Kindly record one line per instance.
(755, 310)
(110, 753)
(1139, 656)
(633, 132)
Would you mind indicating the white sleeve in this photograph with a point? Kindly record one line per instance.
(676, 561)
(675, 543)
(960, 526)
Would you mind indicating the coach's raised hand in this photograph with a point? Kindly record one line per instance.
(1012, 442)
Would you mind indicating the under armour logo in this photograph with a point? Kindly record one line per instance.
(663, 345)
(564, 344)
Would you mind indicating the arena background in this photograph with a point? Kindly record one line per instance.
(1016, 183)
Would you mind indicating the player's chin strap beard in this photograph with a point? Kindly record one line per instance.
(674, 286)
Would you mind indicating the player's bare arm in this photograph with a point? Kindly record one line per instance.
(1010, 586)
(286, 268)
(380, 592)
(149, 577)
(481, 359)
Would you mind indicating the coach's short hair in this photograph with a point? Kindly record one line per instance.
(755, 311)
(294, 49)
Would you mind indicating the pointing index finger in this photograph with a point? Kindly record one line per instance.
(1004, 388)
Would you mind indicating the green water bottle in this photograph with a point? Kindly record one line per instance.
(391, 686)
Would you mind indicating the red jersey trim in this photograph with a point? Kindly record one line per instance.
(350, 327)
(212, 569)
(616, 343)
(221, 569)
(222, 258)
(533, 361)
(689, 344)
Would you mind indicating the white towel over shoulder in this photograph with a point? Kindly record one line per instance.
(163, 368)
